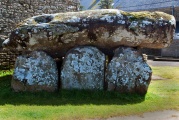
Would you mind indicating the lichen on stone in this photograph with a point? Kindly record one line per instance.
(36, 71)
(105, 28)
(127, 72)
(83, 68)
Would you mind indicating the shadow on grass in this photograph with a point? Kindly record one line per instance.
(63, 97)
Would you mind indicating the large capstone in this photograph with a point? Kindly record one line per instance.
(127, 72)
(83, 68)
(35, 72)
(105, 29)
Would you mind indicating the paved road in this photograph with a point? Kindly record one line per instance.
(158, 115)
(163, 63)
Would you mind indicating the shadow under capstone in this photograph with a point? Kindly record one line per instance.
(59, 62)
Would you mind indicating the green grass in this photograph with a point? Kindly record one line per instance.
(76, 104)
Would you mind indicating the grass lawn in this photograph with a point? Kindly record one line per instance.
(76, 104)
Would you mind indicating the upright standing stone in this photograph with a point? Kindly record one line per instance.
(128, 72)
(35, 72)
(83, 68)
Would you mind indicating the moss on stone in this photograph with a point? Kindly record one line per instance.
(146, 15)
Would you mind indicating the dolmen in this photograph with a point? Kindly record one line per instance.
(86, 40)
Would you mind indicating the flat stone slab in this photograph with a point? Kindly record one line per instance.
(105, 29)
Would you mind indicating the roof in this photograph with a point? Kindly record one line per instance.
(134, 5)
(89, 4)
(127, 5)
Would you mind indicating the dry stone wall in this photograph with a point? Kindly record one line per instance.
(7, 59)
(14, 11)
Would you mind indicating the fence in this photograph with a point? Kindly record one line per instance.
(7, 59)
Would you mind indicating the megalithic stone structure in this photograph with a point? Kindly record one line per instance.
(82, 34)
(105, 29)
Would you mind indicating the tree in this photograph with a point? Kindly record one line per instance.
(105, 4)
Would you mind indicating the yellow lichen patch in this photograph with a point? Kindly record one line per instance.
(58, 17)
(139, 15)
(148, 15)
(158, 15)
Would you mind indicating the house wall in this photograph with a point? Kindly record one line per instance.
(172, 51)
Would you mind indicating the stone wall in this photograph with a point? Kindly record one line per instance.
(14, 11)
(171, 51)
(7, 59)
